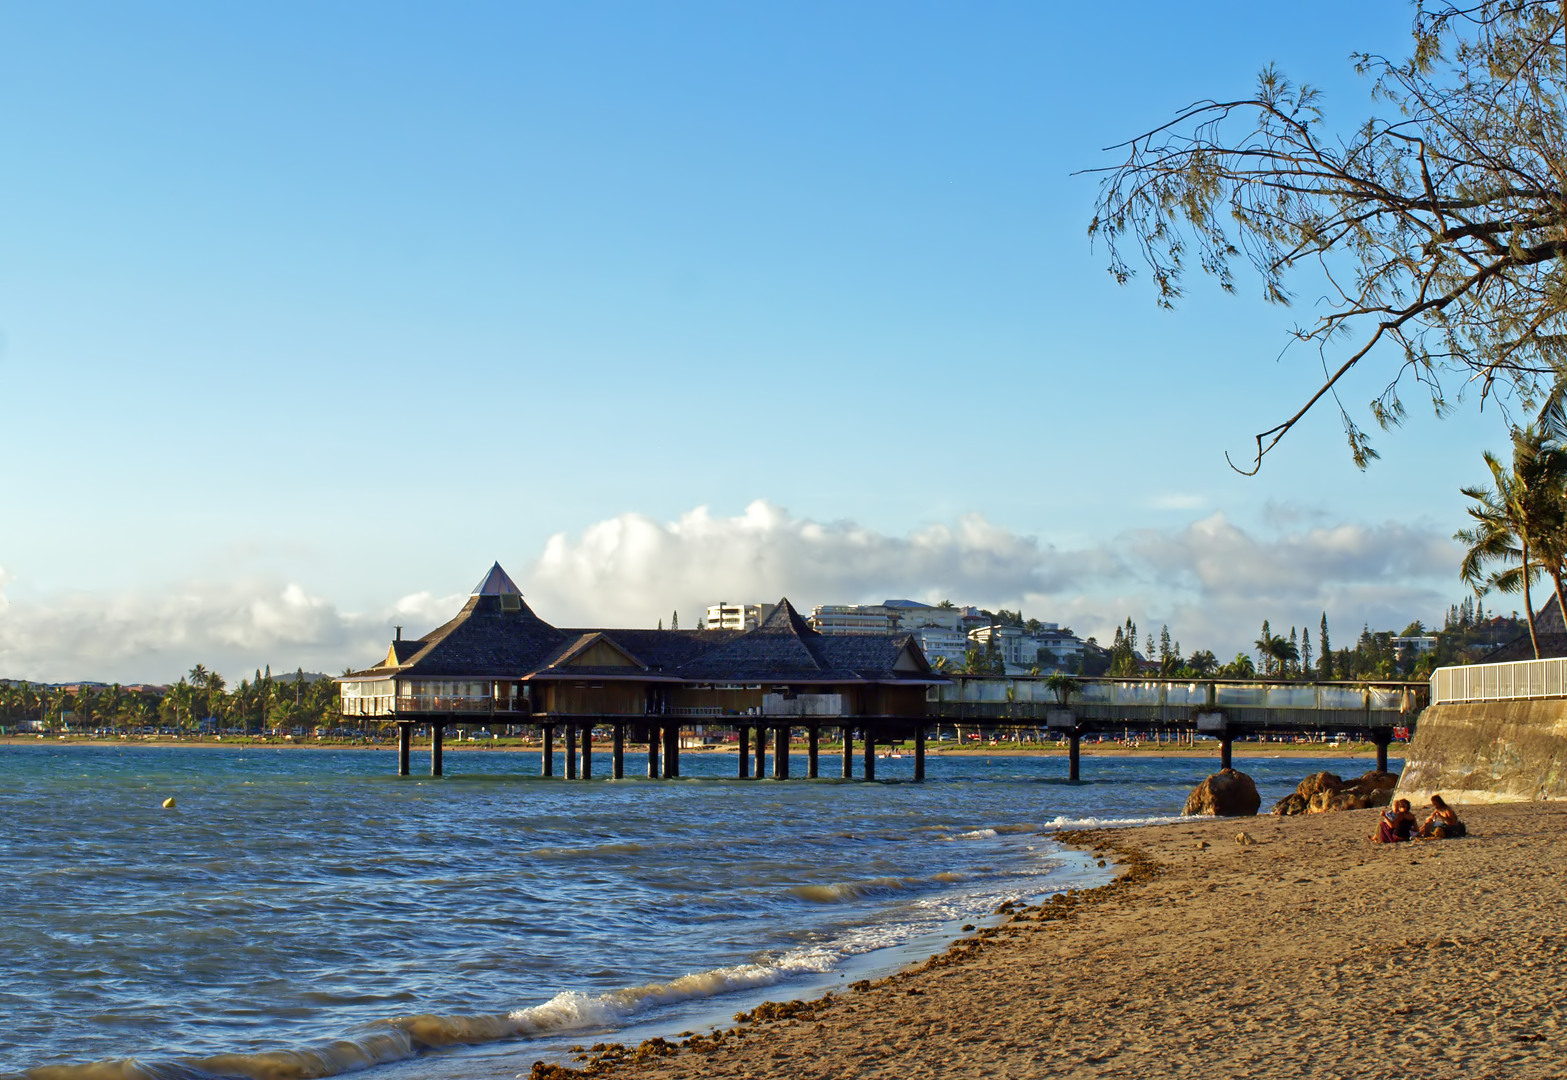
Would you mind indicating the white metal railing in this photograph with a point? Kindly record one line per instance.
(1514, 681)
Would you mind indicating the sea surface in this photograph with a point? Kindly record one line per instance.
(306, 913)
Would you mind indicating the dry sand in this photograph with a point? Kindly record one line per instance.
(1310, 953)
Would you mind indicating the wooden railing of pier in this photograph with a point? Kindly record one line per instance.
(1069, 709)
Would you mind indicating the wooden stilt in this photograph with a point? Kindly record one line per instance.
(671, 750)
(571, 751)
(869, 735)
(618, 752)
(436, 732)
(761, 751)
(1073, 754)
(745, 752)
(652, 751)
(813, 735)
(781, 754)
(547, 766)
(1225, 742)
(919, 752)
(587, 751)
(405, 738)
(1382, 738)
(848, 752)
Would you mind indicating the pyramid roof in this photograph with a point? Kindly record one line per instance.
(496, 583)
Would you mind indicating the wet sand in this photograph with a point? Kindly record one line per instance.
(1309, 953)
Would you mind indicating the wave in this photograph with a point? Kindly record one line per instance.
(1064, 822)
(851, 890)
(406, 1037)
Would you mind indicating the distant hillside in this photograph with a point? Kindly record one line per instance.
(291, 676)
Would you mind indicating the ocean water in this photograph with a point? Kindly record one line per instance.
(304, 913)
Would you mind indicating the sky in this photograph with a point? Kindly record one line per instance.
(309, 313)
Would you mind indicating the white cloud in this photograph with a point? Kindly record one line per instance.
(1174, 501)
(233, 629)
(1211, 580)
(634, 569)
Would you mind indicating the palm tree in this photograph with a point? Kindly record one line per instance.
(1523, 518)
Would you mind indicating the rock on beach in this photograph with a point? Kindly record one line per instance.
(1323, 792)
(1226, 793)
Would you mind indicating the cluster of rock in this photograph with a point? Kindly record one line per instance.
(1322, 792)
(1226, 793)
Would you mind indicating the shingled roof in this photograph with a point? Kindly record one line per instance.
(497, 636)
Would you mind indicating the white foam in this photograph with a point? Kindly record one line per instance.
(1064, 822)
(572, 1011)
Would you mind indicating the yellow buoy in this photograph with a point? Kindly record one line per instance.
(168, 804)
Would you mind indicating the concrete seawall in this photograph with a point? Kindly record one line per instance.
(1497, 751)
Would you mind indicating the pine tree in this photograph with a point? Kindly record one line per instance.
(1294, 644)
(1263, 654)
(1305, 652)
(1324, 650)
(1164, 643)
(674, 621)
(661, 624)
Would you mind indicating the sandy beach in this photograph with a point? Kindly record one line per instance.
(1306, 953)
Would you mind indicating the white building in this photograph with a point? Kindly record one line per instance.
(910, 615)
(1414, 646)
(939, 642)
(726, 616)
(1048, 648)
(842, 619)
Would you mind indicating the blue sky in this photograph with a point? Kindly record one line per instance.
(339, 303)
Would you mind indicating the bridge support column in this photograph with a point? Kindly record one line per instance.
(745, 752)
(781, 754)
(571, 750)
(848, 752)
(547, 766)
(813, 735)
(1381, 736)
(405, 738)
(870, 752)
(652, 751)
(1226, 741)
(919, 753)
(617, 753)
(587, 750)
(761, 751)
(436, 733)
(1074, 747)
(671, 750)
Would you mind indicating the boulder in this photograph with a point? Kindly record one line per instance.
(1318, 781)
(1324, 802)
(1226, 793)
(1290, 804)
(1373, 782)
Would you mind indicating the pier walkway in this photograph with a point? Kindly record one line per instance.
(1221, 709)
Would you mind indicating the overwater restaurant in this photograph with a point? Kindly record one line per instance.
(497, 662)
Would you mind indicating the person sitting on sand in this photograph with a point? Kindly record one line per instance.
(1397, 824)
(1443, 821)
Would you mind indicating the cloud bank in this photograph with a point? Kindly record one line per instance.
(1212, 581)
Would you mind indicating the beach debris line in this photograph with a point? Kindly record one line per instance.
(1226, 793)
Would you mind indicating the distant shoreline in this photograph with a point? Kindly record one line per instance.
(932, 750)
